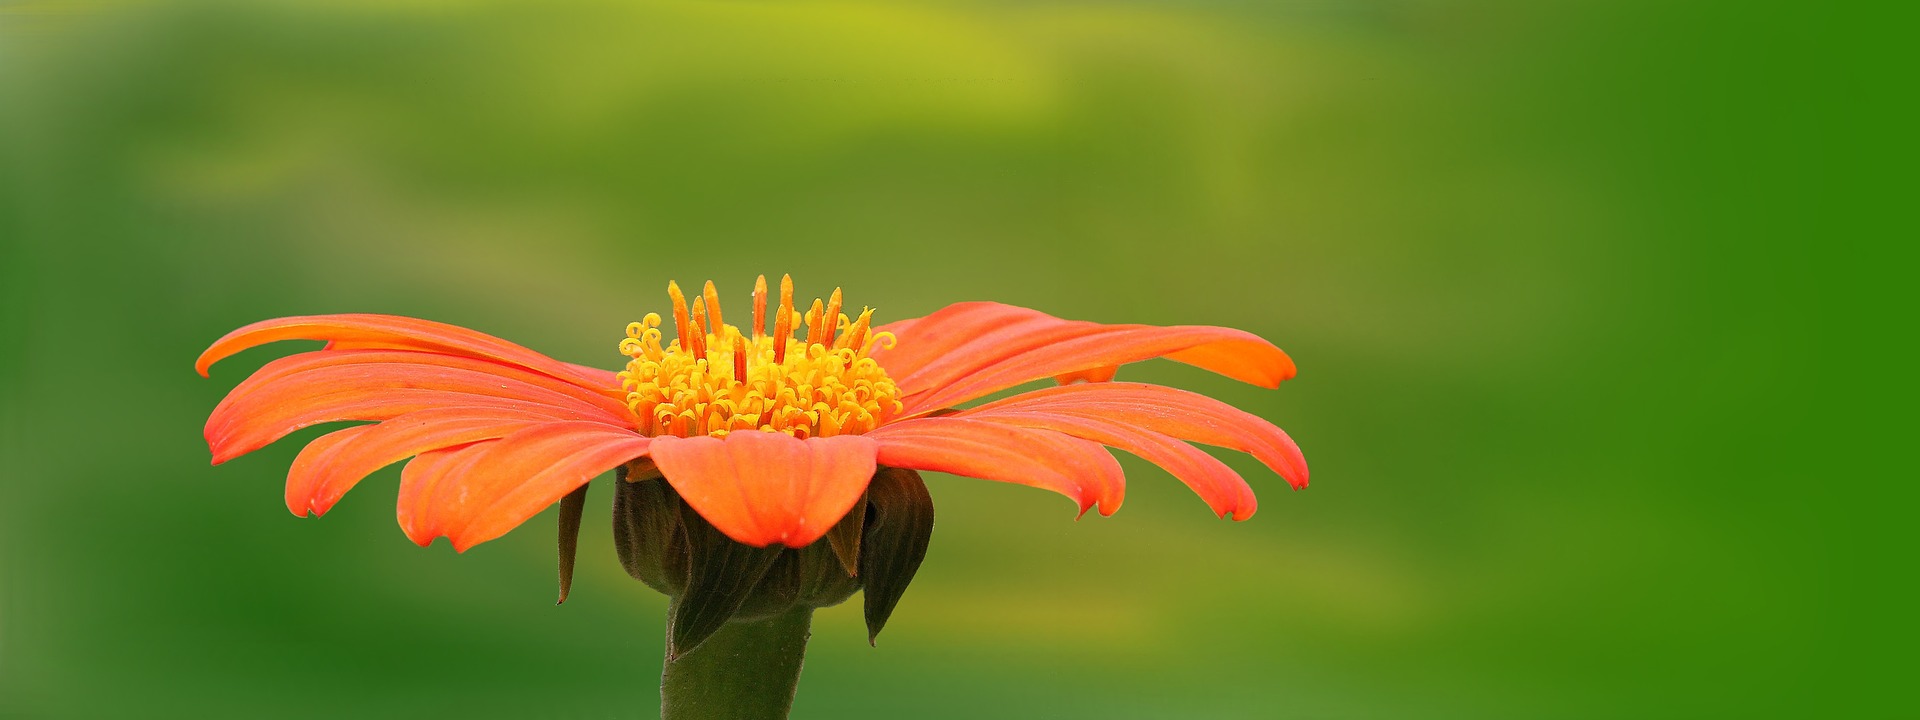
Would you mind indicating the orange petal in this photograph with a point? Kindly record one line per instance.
(314, 459)
(1222, 488)
(294, 365)
(324, 386)
(392, 332)
(969, 350)
(422, 477)
(1092, 375)
(519, 475)
(762, 488)
(898, 328)
(317, 486)
(936, 335)
(1081, 470)
(1168, 411)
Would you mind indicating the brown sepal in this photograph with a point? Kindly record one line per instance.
(896, 540)
(845, 537)
(571, 508)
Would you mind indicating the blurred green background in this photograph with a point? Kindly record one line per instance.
(1538, 263)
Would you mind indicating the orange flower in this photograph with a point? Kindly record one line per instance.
(771, 437)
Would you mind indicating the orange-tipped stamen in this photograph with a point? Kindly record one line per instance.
(759, 307)
(713, 308)
(831, 321)
(815, 318)
(783, 325)
(681, 325)
(739, 359)
(699, 325)
(857, 335)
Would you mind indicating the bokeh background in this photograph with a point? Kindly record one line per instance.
(1542, 266)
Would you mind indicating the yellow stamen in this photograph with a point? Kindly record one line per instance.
(777, 383)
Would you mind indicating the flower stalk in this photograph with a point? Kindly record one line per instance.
(747, 670)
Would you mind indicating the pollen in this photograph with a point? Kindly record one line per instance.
(715, 378)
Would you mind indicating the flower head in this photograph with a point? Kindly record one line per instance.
(717, 378)
(771, 433)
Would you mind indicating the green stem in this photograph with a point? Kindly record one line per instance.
(744, 671)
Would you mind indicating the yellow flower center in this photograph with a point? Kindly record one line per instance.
(715, 378)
